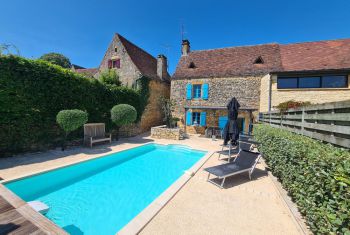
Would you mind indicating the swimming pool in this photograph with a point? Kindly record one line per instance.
(102, 195)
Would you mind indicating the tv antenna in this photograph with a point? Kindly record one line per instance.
(183, 32)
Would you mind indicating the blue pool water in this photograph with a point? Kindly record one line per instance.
(100, 196)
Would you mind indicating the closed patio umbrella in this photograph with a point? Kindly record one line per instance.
(231, 131)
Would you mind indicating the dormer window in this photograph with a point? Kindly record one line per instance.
(191, 65)
(259, 60)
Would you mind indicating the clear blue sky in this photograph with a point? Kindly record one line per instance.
(82, 30)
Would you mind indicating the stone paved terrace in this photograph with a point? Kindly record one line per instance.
(244, 207)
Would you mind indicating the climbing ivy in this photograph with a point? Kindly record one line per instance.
(144, 92)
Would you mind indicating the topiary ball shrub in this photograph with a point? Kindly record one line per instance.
(123, 114)
(70, 120)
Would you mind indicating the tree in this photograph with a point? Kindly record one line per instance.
(167, 107)
(8, 48)
(58, 59)
(123, 114)
(70, 120)
(109, 77)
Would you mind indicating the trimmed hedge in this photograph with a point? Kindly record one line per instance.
(316, 175)
(32, 92)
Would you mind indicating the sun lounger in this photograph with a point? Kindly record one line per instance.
(244, 162)
(247, 145)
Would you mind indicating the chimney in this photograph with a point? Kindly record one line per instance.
(162, 67)
(185, 47)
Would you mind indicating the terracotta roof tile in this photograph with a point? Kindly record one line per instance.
(322, 55)
(239, 61)
(233, 61)
(89, 72)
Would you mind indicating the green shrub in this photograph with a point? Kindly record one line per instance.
(70, 120)
(110, 77)
(316, 175)
(291, 104)
(32, 92)
(123, 114)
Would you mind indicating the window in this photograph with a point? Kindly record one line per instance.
(287, 83)
(334, 81)
(327, 81)
(116, 63)
(196, 118)
(309, 82)
(197, 90)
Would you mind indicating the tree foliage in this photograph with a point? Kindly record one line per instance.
(123, 114)
(316, 175)
(110, 77)
(57, 59)
(70, 120)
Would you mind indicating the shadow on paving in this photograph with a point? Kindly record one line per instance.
(39, 157)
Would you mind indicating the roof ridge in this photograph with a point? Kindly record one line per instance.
(90, 68)
(325, 40)
(120, 36)
(231, 47)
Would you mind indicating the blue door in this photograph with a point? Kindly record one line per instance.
(222, 122)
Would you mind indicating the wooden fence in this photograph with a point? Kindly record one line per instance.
(329, 122)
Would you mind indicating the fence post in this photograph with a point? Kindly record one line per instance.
(302, 120)
(332, 123)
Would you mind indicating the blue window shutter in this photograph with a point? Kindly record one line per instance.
(203, 120)
(188, 118)
(205, 91)
(189, 91)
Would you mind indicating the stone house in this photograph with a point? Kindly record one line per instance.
(132, 64)
(260, 77)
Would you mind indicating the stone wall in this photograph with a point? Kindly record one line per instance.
(212, 120)
(152, 116)
(315, 95)
(128, 72)
(221, 90)
(130, 130)
(161, 132)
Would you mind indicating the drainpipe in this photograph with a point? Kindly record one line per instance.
(270, 93)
